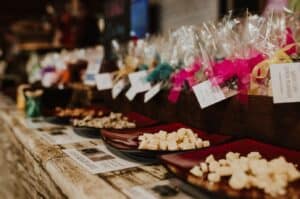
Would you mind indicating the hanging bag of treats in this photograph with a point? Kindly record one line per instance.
(279, 46)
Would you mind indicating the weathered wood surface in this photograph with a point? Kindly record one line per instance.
(36, 169)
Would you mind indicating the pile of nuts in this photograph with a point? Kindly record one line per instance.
(114, 120)
(77, 112)
(182, 139)
(249, 171)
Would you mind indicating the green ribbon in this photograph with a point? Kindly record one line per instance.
(160, 73)
(33, 106)
(143, 67)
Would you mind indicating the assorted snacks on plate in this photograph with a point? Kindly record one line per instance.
(251, 171)
(77, 112)
(113, 120)
(182, 139)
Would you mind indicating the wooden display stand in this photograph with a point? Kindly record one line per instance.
(277, 124)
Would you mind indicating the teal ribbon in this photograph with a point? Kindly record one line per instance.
(160, 73)
(33, 106)
(143, 67)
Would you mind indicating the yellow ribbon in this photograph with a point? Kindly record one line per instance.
(259, 82)
(130, 66)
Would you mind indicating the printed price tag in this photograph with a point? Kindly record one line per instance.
(104, 81)
(285, 79)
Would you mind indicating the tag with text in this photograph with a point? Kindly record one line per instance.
(285, 79)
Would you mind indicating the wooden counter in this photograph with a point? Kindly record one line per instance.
(38, 169)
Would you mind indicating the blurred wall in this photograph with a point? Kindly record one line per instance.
(174, 13)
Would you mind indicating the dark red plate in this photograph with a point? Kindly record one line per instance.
(138, 119)
(127, 140)
(181, 163)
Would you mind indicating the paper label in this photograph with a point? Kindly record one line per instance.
(131, 93)
(59, 135)
(162, 189)
(138, 81)
(207, 94)
(104, 81)
(98, 159)
(35, 123)
(118, 87)
(89, 79)
(94, 65)
(152, 92)
(93, 68)
(138, 84)
(285, 79)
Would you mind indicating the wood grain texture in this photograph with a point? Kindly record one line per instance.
(37, 169)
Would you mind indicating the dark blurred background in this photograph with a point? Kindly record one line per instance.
(41, 26)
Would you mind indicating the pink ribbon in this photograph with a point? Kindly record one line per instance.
(290, 40)
(242, 68)
(179, 78)
(239, 68)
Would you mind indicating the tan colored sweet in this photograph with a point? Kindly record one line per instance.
(238, 180)
(182, 139)
(197, 171)
(204, 167)
(213, 177)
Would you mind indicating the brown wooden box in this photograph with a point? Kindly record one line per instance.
(259, 119)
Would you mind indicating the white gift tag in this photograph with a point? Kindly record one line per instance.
(152, 92)
(138, 81)
(131, 93)
(94, 65)
(94, 58)
(104, 81)
(118, 87)
(207, 94)
(89, 79)
(92, 70)
(285, 79)
(138, 84)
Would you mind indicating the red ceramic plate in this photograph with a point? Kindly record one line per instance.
(127, 140)
(181, 163)
(138, 119)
